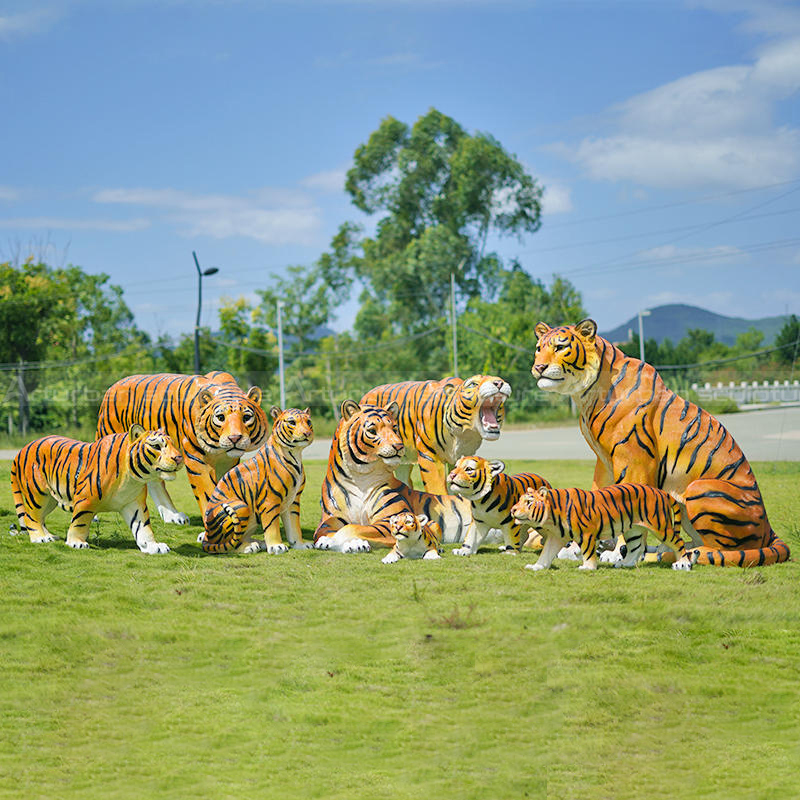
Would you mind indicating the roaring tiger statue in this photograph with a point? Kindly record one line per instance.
(642, 432)
(492, 493)
(360, 493)
(209, 418)
(110, 474)
(563, 515)
(440, 421)
(262, 491)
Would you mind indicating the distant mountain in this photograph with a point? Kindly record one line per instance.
(674, 321)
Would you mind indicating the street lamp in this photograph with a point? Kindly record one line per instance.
(643, 313)
(200, 274)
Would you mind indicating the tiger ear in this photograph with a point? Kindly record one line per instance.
(135, 431)
(350, 407)
(275, 412)
(394, 409)
(542, 492)
(586, 328)
(254, 393)
(204, 398)
(496, 467)
(307, 410)
(423, 520)
(541, 329)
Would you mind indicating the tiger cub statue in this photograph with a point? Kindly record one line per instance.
(209, 418)
(492, 493)
(110, 474)
(642, 432)
(360, 493)
(413, 538)
(263, 490)
(585, 516)
(441, 421)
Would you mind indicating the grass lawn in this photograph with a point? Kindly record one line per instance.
(321, 675)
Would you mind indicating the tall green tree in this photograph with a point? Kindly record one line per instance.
(788, 340)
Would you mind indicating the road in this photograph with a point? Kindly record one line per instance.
(765, 435)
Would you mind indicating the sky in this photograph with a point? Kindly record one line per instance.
(666, 134)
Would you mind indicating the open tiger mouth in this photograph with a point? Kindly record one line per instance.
(488, 416)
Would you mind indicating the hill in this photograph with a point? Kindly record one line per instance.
(674, 321)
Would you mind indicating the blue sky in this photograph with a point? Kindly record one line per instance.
(666, 134)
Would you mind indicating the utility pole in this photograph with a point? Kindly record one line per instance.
(643, 313)
(280, 355)
(453, 321)
(200, 274)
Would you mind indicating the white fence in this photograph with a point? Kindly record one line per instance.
(754, 392)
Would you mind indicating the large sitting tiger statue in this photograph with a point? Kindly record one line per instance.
(210, 419)
(109, 474)
(262, 491)
(642, 432)
(360, 493)
(441, 421)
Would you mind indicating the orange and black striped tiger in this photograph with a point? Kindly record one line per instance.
(209, 418)
(413, 538)
(109, 474)
(642, 432)
(360, 493)
(441, 421)
(564, 515)
(263, 490)
(492, 493)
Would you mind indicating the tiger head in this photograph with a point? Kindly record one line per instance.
(369, 434)
(478, 404)
(292, 428)
(406, 528)
(472, 476)
(152, 455)
(566, 359)
(534, 506)
(230, 422)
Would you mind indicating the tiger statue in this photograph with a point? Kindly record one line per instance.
(563, 515)
(441, 421)
(209, 418)
(642, 432)
(110, 474)
(263, 490)
(413, 538)
(360, 493)
(492, 494)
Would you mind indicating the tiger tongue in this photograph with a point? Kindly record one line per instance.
(489, 418)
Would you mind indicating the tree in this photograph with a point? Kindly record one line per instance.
(438, 192)
(788, 340)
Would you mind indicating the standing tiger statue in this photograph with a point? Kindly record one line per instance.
(642, 432)
(109, 474)
(360, 493)
(441, 421)
(564, 515)
(492, 494)
(210, 419)
(263, 490)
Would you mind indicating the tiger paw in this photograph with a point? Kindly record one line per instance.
(155, 548)
(431, 555)
(201, 537)
(462, 551)
(535, 567)
(43, 539)
(683, 564)
(173, 517)
(570, 553)
(275, 549)
(611, 557)
(302, 545)
(508, 550)
(77, 544)
(391, 558)
(324, 543)
(356, 545)
(254, 547)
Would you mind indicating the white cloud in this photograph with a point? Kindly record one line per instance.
(25, 23)
(8, 193)
(330, 182)
(556, 198)
(269, 216)
(63, 223)
(713, 127)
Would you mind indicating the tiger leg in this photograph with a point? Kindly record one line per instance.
(476, 533)
(353, 538)
(552, 544)
(82, 514)
(271, 523)
(137, 517)
(164, 505)
(432, 471)
(225, 523)
(202, 479)
(35, 511)
(291, 525)
(588, 545)
(512, 534)
(634, 545)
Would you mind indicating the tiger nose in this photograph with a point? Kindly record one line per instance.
(539, 368)
(178, 458)
(234, 438)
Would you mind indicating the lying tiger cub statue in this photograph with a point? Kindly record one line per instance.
(492, 494)
(440, 421)
(360, 493)
(109, 474)
(584, 516)
(642, 432)
(413, 538)
(263, 490)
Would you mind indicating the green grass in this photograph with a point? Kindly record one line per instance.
(321, 675)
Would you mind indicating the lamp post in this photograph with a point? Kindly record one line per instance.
(200, 274)
(643, 313)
